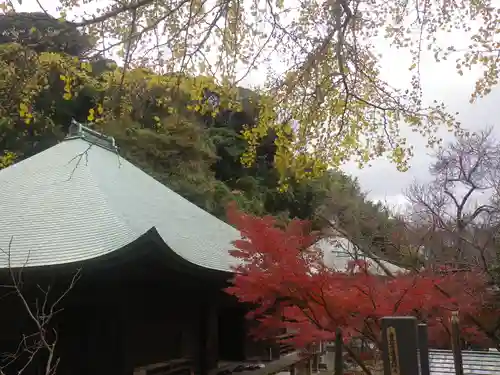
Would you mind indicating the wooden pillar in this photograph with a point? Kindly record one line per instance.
(303, 367)
(95, 331)
(338, 361)
(315, 361)
(209, 354)
(423, 346)
(105, 344)
(456, 343)
(74, 331)
(115, 359)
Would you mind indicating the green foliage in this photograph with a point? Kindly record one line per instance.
(43, 33)
(318, 64)
(178, 154)
(162, 123)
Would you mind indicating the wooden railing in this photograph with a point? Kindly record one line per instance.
(283, 348)
(180, 366)
(296, 362)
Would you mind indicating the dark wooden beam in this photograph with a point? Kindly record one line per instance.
(209, 354)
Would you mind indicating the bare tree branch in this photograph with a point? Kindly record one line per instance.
(42, 341)
(461, 202)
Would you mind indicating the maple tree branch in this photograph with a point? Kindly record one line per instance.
(491, 335)
(323, 300)
(373, 335)
(400, 300)
(358, 360)
(314, 320)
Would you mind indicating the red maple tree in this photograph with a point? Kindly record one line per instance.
(284, 278)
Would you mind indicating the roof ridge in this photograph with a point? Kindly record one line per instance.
(79, 131)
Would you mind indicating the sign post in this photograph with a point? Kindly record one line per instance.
(399, 345)
(423, 346)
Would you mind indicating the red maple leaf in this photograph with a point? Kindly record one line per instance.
(284, 277)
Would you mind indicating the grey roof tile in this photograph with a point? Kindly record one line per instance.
(59, 208)
(475, 362)
(338, 252)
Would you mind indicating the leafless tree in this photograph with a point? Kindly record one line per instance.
(457, 213)
(39, 306)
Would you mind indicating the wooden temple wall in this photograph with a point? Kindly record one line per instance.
(126, 331)
(112, 330)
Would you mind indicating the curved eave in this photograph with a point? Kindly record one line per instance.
(78, 201)
(148, 246)
(187, 266)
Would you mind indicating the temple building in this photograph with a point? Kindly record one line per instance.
(148, 266)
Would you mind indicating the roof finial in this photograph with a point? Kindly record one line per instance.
(78, 130)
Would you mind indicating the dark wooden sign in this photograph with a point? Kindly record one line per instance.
(399, 345)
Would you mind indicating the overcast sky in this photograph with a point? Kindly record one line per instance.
(439, 80)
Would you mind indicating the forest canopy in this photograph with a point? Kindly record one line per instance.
(179, 128)
(323, 94)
